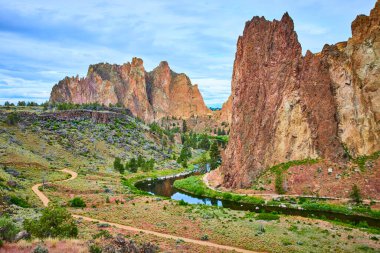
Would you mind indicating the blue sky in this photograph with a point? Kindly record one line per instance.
(44, 41)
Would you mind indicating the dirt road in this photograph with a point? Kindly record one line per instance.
(74, 175)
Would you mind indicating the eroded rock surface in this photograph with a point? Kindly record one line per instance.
(286, 106)
(148, 95)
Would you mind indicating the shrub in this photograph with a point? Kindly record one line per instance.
(19, 201)
(93, 248)
(355, 194)
(40, 249)
(12, 119)
(102, 234)
(117, 165)
(54, 222)
(1, 243)
(204, 238)
(267, 216)
(132, 165)
(77, 202)
(279, 183)
(8, 229)
(182, 203)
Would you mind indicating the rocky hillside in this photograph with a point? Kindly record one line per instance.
(148, 95)
(287, 106)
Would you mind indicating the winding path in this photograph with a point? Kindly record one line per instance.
(45, 202)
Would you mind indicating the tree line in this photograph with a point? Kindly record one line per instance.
(133, 164)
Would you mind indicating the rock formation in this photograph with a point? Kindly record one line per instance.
(225, 114)
(148, 95)
(286, 106)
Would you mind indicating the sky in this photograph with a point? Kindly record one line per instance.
(44, 41)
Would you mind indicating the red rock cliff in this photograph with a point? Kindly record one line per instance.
(148, 95)
(289, 107)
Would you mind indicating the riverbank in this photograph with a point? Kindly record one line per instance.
(196, 186)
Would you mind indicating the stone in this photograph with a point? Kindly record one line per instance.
(119, 239)
(12, 183)
(329, 171)
(286, 106)
(148, 95)
(21, 235)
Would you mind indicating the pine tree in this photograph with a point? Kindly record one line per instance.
(133, 165)
(117, 165)
(184, 126)
(215, 157)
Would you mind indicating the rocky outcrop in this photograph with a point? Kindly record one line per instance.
(225, 114)
(287, 106)
(148, 95)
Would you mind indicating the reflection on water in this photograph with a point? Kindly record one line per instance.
(164, 187)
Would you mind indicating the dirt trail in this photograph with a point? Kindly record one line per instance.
(43, 198)
(74, 175)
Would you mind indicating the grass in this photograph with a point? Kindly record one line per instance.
(357, 210)
(281, 167)
(362, 160)
(130, 180)
(195, 185)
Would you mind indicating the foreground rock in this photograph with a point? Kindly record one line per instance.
(286, 106)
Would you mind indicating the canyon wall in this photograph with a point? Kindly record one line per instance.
(148, 95)
(286, 106)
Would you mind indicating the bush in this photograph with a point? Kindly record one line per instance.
(54, 222)
(182, 203)
(117, 165)
(8, 229)
(77, 202)
(267, 216)
(19, 201)
(204, 238)
(279, 183)
(93, 248)
(355, 194)
(40, 249)
(1, 243)
(12, 119)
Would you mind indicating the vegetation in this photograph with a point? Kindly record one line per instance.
(355, 194)
(54, 222)
(361, 161)
(77, 202)
(18, 201)
(40, 249)
(215, 158)
(184, 126)
(118, 166)
(279, 183)
(8, 229)
(279, 169)
(185, 155)
(196, 186)
(267, 216)
(12, 118)
(145, 165)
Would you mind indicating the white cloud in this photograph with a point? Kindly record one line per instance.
(311, 29)
(214, 91)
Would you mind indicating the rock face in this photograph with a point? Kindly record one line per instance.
(225, 114)
(286, 106)
(148, 95)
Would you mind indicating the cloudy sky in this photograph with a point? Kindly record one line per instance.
(44, 41)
